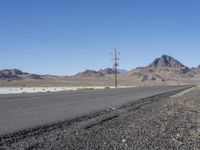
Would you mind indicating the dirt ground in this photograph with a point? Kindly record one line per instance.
(161, 123)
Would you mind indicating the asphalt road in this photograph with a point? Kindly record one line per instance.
(21, 111)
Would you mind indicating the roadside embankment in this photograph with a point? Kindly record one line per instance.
(159, 122)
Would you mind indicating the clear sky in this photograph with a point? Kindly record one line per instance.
(64, 37)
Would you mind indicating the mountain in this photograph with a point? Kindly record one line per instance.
(166, 61)
(15, 74)
(161, 69)
(95, 74)
(122, 70)
(90, 73)
(10, 74)
(166, 66)
(107, 71)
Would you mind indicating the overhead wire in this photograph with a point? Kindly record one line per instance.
(31, 35)
(42, 37)
(47, 35)
(30, 53)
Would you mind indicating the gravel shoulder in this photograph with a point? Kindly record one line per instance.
(160, 122)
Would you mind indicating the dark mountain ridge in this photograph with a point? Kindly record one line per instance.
(167, 65)
(16, 74)
(152, 72)
(166, 61)
(96, 74)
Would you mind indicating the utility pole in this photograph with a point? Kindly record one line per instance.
(115, 65)
(164, 78)
(179, 70)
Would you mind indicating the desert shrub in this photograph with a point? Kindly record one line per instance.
(107, 87)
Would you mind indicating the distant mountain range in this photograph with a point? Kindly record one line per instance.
(154, 71)
(96, 74)
(15, 74)
(165, 66)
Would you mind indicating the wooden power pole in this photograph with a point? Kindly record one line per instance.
(179, 70)
(164, 78)
(116, 64)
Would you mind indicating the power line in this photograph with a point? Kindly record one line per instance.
(31, 35)
(44, 35)
(30, 54)
(116, 64)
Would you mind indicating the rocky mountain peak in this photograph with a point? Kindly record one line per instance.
(94, 73)
(107, 71)
(11, 72)
(166, 61)
(17, 74)
(90, 73)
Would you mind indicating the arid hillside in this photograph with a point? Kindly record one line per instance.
(165, 68)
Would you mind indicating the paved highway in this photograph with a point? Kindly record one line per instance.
(20, 111)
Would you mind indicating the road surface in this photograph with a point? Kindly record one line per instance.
(21, 111)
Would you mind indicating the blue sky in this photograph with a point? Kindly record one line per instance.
(68, 36)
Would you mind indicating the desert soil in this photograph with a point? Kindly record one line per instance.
(158, 123)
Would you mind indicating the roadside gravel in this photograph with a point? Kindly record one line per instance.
(158, 123)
